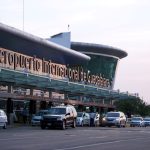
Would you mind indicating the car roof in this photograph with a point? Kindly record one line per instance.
(136, 117)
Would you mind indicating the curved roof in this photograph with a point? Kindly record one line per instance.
(97, 48)
(25, 43)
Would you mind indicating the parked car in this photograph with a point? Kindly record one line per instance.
(83, 118)
(37, 117)
(3, 119)
(146, 121)
(94, 119)
(115, 119)
(60, 116)
(137, 121)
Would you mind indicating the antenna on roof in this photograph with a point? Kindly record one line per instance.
(68, 27)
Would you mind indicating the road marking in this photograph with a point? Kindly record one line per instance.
(96, 144)
(97, 137)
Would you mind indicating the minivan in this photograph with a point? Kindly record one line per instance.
(115, 119)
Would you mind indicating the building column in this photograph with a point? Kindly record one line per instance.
(31, 92)
(66, 96)
(10, 89)
(50, 94)
(98, 109)
(110, 109)
(50, 104)
(42, 104)
(32, 109)
(101, 110)
(80, 108)
(9, 106)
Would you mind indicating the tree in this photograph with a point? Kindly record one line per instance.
(134, 106)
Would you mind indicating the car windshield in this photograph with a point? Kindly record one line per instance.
(57, 111)
(79, 114)
(146, 119)
(113, 115)
(136, 119)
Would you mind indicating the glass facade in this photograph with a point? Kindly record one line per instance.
(104, 65)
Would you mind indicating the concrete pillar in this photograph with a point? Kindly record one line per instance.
(50, 104)
(31, 92)
(101, 110)
(10, 89)
(92, 109)
(43, 105)
(66, 96)
(32, 110)
(50, 94)
(9, 107)
(110, 109)
(32, 107)
(103, 101)
(98, 109)
(80, 98)
(80, 108)
(110, 101)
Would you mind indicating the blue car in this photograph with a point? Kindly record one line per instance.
(137, 122)
(146, 121)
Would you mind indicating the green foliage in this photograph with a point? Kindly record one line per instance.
(133, 107)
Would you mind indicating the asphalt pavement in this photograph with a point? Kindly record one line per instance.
(80, 138)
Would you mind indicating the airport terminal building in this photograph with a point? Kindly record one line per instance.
(45, 72)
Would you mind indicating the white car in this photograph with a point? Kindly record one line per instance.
(3, 119)
(83, 118)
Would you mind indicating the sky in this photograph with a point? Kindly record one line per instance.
(124, 24)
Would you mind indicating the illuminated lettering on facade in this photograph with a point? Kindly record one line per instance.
(16, 61)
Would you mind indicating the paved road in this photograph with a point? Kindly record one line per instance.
(80, 138)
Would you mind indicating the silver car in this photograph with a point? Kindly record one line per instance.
(3, 119)
(83, 119)
(37, 117)
(146, 121)
(115, 119)
(137, 121)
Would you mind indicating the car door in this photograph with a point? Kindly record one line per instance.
(84, 118)
(87, 118)
(69, 116)
(3, 117)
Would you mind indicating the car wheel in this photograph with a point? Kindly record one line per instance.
(74, 124)
(63, 125)
(5, 126)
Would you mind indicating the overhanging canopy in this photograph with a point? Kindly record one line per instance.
(27, 80)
